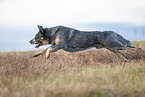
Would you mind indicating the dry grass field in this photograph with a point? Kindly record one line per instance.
(93, 73)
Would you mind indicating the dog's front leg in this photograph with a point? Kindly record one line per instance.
(40, 53)
(52, 49)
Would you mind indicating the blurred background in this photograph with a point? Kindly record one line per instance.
(19, 19)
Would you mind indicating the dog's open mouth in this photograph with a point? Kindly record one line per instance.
(38, 44)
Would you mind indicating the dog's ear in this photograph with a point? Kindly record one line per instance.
(40, 29)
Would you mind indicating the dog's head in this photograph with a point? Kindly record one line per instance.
(40, 38)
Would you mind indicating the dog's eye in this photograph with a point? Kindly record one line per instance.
(41, 38)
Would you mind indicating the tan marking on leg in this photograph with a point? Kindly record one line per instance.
(50, 50)
(56, 41)
(48, 53)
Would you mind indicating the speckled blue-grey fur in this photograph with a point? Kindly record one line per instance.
(73, 40)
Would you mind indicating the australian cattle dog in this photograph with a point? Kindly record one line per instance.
(73, 40)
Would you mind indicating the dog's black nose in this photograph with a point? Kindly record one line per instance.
(31, 41)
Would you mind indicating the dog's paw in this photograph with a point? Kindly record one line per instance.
(36, 55)
(47, 55)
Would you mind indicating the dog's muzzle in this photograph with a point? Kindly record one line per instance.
(33, 41)
(38, 43)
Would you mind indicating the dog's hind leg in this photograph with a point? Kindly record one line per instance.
(128, 47)
(123, 55)
(134, 48)
(118, 53)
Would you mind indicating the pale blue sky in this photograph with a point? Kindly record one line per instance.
(19, 18)
(55, 12)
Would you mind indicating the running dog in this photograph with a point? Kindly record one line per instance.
(73, 40)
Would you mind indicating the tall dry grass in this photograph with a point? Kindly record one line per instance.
(94, 73)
